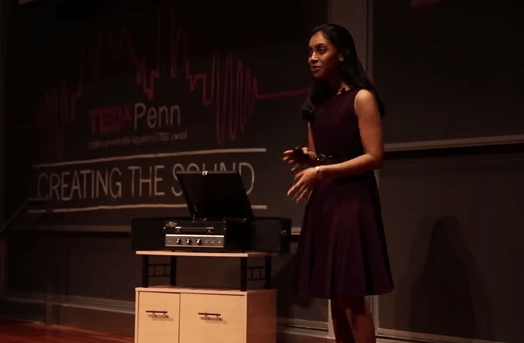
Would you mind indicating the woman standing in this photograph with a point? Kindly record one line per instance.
(342, 253)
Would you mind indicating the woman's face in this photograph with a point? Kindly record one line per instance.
(324, 58)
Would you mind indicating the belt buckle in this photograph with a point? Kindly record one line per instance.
(323, 157)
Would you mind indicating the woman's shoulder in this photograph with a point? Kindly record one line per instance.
(356, 96)
(346, 100)
(348, 97)
(355, 99)
(365, 103)
(364, 95)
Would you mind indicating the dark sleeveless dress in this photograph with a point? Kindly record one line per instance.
(342, 248)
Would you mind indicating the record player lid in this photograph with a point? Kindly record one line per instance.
(215, 195)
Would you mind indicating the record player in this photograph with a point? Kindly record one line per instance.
(221, 219)
(221, 214)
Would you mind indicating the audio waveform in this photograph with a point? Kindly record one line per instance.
(229, 86)
(55, 111)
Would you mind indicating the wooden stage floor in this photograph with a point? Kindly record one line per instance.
(12, 331)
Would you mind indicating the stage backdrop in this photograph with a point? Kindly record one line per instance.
(108, 99)
(449, 69)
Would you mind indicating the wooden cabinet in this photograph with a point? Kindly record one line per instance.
(212, 318)
(186, 315)
(157, 317)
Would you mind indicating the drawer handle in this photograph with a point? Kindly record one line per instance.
(154, 313)
(207, 314)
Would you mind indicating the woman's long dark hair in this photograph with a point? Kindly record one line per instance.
(351, 71)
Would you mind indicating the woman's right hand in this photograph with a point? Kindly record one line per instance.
(294, 157)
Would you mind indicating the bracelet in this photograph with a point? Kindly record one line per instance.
(319, 172)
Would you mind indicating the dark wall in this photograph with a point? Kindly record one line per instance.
(3, 9)
(233, 73)
(104, 267)
(107, 99)
(456, 245)
(449, 70)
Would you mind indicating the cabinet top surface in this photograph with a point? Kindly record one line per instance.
(197, 290)
(205, 254)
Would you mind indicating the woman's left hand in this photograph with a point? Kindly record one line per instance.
(303, 184)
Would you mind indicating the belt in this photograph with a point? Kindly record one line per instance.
(336, 158)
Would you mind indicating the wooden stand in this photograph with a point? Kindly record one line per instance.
(196, 315)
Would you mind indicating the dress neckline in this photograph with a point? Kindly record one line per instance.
(341, 94)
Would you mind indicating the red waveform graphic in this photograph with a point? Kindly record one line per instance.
(55, 112)
(230, 87)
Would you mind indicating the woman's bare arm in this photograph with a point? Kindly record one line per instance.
(371, 135)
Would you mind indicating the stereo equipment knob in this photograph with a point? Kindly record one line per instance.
(178, 241)
(199, 241)
(188, 241)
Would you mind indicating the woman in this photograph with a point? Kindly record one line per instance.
(342, 253)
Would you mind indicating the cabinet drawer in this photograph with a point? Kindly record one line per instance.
(158, 317)
(208, 318)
